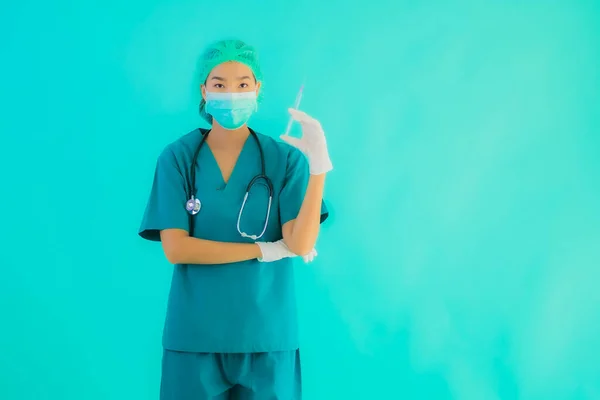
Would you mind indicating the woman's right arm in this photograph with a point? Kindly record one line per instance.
(180, 248)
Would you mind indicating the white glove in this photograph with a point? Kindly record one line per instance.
(275, 251)
(312, 143)
(310, 256)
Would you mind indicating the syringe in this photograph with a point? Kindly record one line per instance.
(296, 105)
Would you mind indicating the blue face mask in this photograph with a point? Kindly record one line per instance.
(231, 110)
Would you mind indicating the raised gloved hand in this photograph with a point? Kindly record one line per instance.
(275, 251)
(312, 143)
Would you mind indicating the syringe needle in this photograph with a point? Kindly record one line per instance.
(296, 105)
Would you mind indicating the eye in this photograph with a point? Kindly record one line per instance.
(244, 85)
(218, 85)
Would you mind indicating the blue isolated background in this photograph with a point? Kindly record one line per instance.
(462, 257)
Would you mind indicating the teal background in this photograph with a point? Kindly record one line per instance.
(462, 257)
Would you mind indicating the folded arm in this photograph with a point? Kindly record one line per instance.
(180, 248)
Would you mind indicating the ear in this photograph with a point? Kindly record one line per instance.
(258, 84)
(203, 91)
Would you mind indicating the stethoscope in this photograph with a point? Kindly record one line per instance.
(193, 205)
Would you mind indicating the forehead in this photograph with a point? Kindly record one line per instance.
(230, 69)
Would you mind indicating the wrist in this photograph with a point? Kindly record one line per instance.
(320, 164)
(317, 180)
(320, 170)
(256, 251)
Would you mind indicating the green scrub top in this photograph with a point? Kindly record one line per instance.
(242, 307)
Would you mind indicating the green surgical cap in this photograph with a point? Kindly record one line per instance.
(225, 51)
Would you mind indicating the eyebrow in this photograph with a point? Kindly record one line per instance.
(218, 78)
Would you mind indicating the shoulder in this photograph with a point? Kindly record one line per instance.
(284, 152)
(182, 149)
(174, 159)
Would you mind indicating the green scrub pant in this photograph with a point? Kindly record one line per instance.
(231, 376)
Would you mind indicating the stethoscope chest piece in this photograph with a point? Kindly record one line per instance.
(193, 206)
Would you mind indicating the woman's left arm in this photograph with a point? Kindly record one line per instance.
(300, 234)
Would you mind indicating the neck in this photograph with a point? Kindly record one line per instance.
(222, 137)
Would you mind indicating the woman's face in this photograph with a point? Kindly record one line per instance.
(230, 77)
